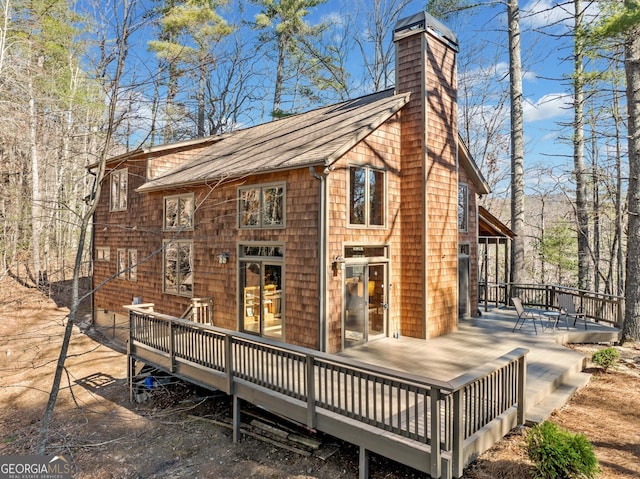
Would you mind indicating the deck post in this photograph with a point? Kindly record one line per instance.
(131, 362)
(457, 452)
(311, 392)
(172, 357)
(236, 418)
(228, 359)
(436, 458)
(363, 463)
(522, 381)
(131, 372)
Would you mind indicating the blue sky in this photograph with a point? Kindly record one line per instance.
(546, 89)
(548, 102)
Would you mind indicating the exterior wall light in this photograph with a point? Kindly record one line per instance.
(223, 258)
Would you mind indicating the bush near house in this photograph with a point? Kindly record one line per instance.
(605, 358)
(559, 454)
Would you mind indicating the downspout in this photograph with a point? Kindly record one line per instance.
(323, 243)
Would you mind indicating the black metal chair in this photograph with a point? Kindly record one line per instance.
(524, 314)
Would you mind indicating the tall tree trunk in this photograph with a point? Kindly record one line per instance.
(631, 330)
(584, 281)
(620, 282)
(36, 204)
(517, 144)
(277, 93)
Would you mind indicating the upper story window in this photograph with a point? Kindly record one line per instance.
(178, 212)
(119, 189)
(261, 206)
(366, 196)
(463, 207)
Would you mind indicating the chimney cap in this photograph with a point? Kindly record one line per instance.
(423, 22)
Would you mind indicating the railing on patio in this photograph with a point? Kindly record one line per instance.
(598, 307)
(449, 418)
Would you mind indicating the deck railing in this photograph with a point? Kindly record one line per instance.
(598, 307)
(443, 415)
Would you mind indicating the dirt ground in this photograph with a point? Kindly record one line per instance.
(177, 433)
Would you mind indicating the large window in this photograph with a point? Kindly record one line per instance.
(463, 207)
(261, 206)
(119, 190)
(261, 294)
(178, 212)
(366, 196)
(178, 267)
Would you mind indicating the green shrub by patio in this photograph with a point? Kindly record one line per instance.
(605, 358)
(559, 454)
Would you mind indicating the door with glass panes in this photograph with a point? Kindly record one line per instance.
(261, 298)
(365, 306)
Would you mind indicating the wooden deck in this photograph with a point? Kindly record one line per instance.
(433, 405)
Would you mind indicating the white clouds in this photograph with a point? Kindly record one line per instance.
(548, 13)
(549, 106)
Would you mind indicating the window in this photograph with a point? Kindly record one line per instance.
(261, 206)
(103, 254)
(178, 267)
(128, 264)
(261, 294)
(178, 212)
(463, 207)
(119, 180)
(366, 196)
(122, 263)
(133, 264)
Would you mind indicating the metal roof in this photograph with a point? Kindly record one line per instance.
(317, 137)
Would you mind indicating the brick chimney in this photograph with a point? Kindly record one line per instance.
(426, 66)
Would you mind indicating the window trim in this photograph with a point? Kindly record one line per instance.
(118, 173)
(261, 187)
(164, 212)
(465, 226)
(367, 223)
(166, 243)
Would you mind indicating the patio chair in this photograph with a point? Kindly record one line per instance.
(524, 314)
(568, 309)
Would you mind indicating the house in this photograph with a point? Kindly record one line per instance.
(323, 230)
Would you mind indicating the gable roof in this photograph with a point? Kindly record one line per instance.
(318, 137)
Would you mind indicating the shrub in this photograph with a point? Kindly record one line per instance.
(559, 454)
(605, 358)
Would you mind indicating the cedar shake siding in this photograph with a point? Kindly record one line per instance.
(380, 150)
(426, 66)
(216, 231)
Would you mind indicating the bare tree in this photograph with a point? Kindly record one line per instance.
(127, 17)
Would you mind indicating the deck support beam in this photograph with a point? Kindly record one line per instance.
(363, 463)
(131, 372)
(236, 418)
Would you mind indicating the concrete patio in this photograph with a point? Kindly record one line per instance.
(554, 372)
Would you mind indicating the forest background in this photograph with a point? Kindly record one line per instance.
(82, 81)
